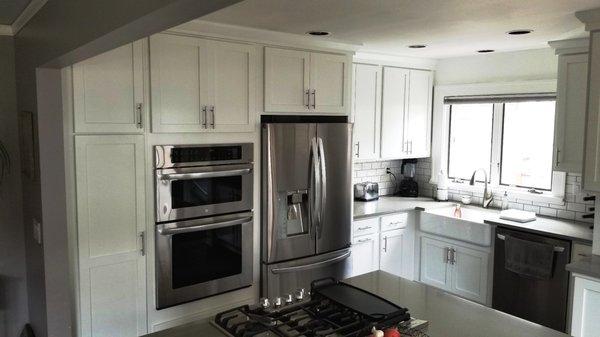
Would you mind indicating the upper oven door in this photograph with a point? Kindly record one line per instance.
(191, 192)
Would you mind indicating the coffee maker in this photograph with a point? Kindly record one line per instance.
(408, 187)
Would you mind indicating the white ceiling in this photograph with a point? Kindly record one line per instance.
(449, 27)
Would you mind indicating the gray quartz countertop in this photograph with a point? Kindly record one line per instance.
(448, 315)
(587, 266)
(388, 205)
(564, 229)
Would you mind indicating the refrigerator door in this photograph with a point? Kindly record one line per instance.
(283, 278)
(288, 165)
(335, 219)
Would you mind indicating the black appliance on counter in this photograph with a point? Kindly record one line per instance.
(536, 294)
(408, 186)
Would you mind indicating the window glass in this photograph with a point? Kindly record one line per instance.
(470, 139)
(527, 143)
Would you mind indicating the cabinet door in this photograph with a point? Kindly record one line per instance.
(180, 77)
(591, 161)
(569, 124)
(367, 111)
(434, 266)
(586, 308)
(329, 76)
(110, 221)
(286, 80)
(365, 254)
(417, 121)
(233, 106)
(108, 91)
(395, 88)
(392, 248)
(469, 273)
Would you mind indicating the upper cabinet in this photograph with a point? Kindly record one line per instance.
(571, 95)
(306, 82)
(200, 85)
(392, 112)
(108, 91)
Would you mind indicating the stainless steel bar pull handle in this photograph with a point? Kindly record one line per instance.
(212, 116)
(385, 244)
(307, 98)
(314, 95)
(176, 228)
(557, 249)
(209, 174)
(315, 182)
(311, 265)
(138, 115)
(557, 154)
(357, 149)
(323, 189)
(204, 122)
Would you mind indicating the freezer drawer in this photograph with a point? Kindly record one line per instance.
(283, 278)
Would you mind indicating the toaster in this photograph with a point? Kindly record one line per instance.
(366, 191)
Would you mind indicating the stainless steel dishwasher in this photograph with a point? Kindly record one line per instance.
(542, 301)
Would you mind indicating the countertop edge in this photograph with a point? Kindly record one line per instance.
(536, 231)
(588, 266)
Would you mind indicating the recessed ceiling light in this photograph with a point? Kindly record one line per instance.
(484, 51)
(519, 31)
(417, 46)
(318, 33)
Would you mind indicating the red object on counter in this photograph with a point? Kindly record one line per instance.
(391, 332)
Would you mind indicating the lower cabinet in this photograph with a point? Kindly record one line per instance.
(365, 254)
(586, 308)
(391, 247)
(457, 269)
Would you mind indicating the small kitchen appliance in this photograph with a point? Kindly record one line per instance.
(408, 187)
(366, 191)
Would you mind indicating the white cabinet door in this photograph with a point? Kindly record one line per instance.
(233, 107)
(392, 247)
(417, 121)
(591, 161)
(329, 76)
(365, 254)
(469, 273)
(110, 222)
(367, 111)
(286, 80)
(569, 125)
(434, 266)
(180, 77)
(108, 91)
(394, 104)
(586, 308)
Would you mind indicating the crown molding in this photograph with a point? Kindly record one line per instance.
(571, 46)
(29, 11)
(591, 18)
(6, 30)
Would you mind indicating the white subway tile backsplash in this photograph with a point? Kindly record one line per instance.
(547, 211)
(566, 214)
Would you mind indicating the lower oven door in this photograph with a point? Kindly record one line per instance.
(286, 277)
(203, 257)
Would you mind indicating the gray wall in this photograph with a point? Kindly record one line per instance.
(61, 33)
(13, 291)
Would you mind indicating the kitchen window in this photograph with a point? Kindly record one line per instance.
(511, 137)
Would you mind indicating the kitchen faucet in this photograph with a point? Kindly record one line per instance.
(487, 195)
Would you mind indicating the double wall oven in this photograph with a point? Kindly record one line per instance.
(204, 220)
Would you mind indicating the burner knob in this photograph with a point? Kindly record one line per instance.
(264, 303)
(300, 294)
(289, 299)
(277, 301)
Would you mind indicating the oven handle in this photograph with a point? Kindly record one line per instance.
(176, 229)
(311, 265)
(212, 174)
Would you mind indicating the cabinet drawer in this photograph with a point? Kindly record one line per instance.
(395, 221)
(364, 227)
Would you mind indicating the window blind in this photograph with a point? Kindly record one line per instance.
(499, 98)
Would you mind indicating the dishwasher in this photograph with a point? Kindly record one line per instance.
(542, 301)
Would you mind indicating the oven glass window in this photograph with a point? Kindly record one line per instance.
(206, 191)
(206, 255)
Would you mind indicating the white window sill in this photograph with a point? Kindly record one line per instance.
(513, 193)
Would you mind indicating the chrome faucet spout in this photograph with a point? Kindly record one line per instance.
(487, 195)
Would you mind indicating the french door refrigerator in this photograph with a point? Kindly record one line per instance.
(306, 201)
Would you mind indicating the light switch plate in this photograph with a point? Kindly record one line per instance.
(37, 231)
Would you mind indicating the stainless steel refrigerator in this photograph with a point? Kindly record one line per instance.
(306, 201)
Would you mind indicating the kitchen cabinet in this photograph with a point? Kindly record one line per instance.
(457, 269)
(586, 307)
(110, 202)
(417, 120)
(393, 111)
(392, 245)
(108, 91)
(591, 161)
(200, 85)
(365, 254)
(306, 82)
(367, 111)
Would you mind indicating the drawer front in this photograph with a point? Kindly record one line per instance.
(365, 227)
(396, 221)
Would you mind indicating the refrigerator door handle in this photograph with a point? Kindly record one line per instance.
(323, 188)
(311, 265)
(315, 187)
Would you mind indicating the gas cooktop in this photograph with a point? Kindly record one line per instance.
(331, 309)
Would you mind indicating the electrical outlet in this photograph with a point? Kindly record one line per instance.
(388, 170)
(37, 231)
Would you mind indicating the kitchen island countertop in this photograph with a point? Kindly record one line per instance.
(448, 315)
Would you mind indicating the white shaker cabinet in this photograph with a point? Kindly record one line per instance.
(110, 224)
(200, 85)
(417, 120)
(591, 161)
(306, 82)
(394, 105)
(392, 247)
(586, 307)
(108, 91)
(367, 111)
(365, 254)
(434, 261)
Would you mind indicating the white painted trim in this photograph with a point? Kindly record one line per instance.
(395, 60)
(6, 30)
(29, 11)
(571, 46)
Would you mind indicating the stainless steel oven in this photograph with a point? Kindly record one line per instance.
(203, 257)
(202, 180)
